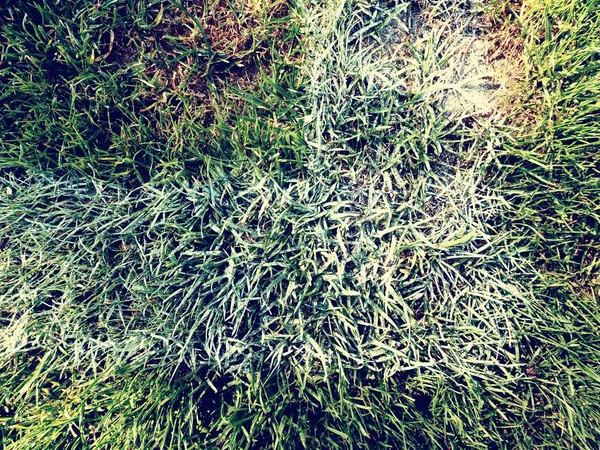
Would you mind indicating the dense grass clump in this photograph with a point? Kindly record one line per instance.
(254, 224)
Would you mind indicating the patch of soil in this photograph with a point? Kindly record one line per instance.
(506, 54)
(240, 32)
(195, 51)
(477, 63)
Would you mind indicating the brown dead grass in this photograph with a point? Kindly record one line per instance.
(224, 41)
(506, 54)
(240, 29)
(197, 52)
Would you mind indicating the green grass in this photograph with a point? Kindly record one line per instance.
(253, 225)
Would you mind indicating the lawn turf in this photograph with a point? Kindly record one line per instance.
(254, 225)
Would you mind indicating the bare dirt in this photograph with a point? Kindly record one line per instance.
(470, 68)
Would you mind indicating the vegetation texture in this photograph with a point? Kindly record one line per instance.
(253, 224)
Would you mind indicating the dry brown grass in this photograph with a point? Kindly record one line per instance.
(196, 54)
(506, 54)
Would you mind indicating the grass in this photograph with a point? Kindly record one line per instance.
(120, 90)
(254, 224)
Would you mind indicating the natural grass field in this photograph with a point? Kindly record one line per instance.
(258, 224)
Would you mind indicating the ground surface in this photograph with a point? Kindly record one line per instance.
(312, 224)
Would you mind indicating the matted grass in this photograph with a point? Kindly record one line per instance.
(256, 225)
